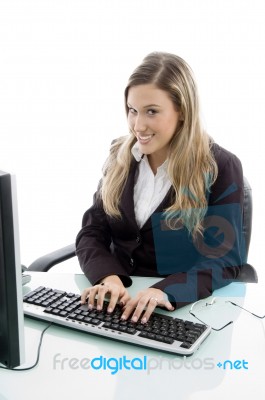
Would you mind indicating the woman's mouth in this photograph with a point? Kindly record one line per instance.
(144, 139)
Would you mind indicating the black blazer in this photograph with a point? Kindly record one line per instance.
(110, 246)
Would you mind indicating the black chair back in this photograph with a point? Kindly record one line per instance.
(248, 272)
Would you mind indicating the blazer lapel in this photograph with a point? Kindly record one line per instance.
(127, 202)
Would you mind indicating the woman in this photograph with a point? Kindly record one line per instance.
(158, 185)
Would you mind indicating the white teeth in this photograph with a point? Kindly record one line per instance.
(145, 137)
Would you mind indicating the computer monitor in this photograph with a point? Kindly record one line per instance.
(11, 305)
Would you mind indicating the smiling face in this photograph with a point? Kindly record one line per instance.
(153, 119)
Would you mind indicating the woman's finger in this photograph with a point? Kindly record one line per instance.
(142, 304)
(124, 298)
(114, 297)
(84, 295)
(92, 296)
(128, 309)
(102, 291)
(152, 303)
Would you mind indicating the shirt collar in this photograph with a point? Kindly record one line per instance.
(136, 152)
(140, 156)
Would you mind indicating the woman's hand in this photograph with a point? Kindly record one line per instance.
(146, 300)
(111, 286)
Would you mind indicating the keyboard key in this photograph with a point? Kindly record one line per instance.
(131, 324)
(190, 340)
(48, 310)
(143, 334)
(101, 317)
(160, 338)
(151, 335)
(168, 340)
(148, 329)
(200, 327)
(63, 313)
(180, 338)
(72, 316)
(185, 345)
(55, 311)
(70, 295)
(192, 335)
(123, 328)
(95, 321)
(45, 303)
(114, 326)
(107, 325)
(131, 331)
(139, 327)
(59, 292)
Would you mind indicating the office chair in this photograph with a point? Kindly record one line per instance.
(247, 273)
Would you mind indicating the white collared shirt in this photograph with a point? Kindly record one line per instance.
(149, 189)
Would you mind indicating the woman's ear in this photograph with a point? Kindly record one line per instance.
(181, 116)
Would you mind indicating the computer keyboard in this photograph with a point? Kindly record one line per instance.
(161, 332)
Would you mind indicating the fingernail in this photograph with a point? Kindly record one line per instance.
(98, 308)
(144, 320)
(134, 319)
(110, 310)
(90, 306)
(123, 317)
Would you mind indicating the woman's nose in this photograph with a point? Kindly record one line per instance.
(140, 124)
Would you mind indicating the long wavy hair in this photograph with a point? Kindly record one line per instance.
(191, 166)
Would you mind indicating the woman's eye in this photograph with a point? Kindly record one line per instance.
(132, 110)
(151, 112)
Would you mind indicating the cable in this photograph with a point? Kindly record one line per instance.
(237, 305)
(38, 354)
(213, 301)
(215, 329)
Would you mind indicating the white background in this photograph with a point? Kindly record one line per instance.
(63, 68)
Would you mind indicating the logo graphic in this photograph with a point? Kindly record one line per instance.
(112, 364)
(222, 245)
(237, 364)
(221, 232)
(144, 364)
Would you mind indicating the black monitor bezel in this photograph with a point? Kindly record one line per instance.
(11, 304)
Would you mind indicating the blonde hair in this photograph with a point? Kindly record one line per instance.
(191, 166)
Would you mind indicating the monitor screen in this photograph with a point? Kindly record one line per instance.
(11, 305)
